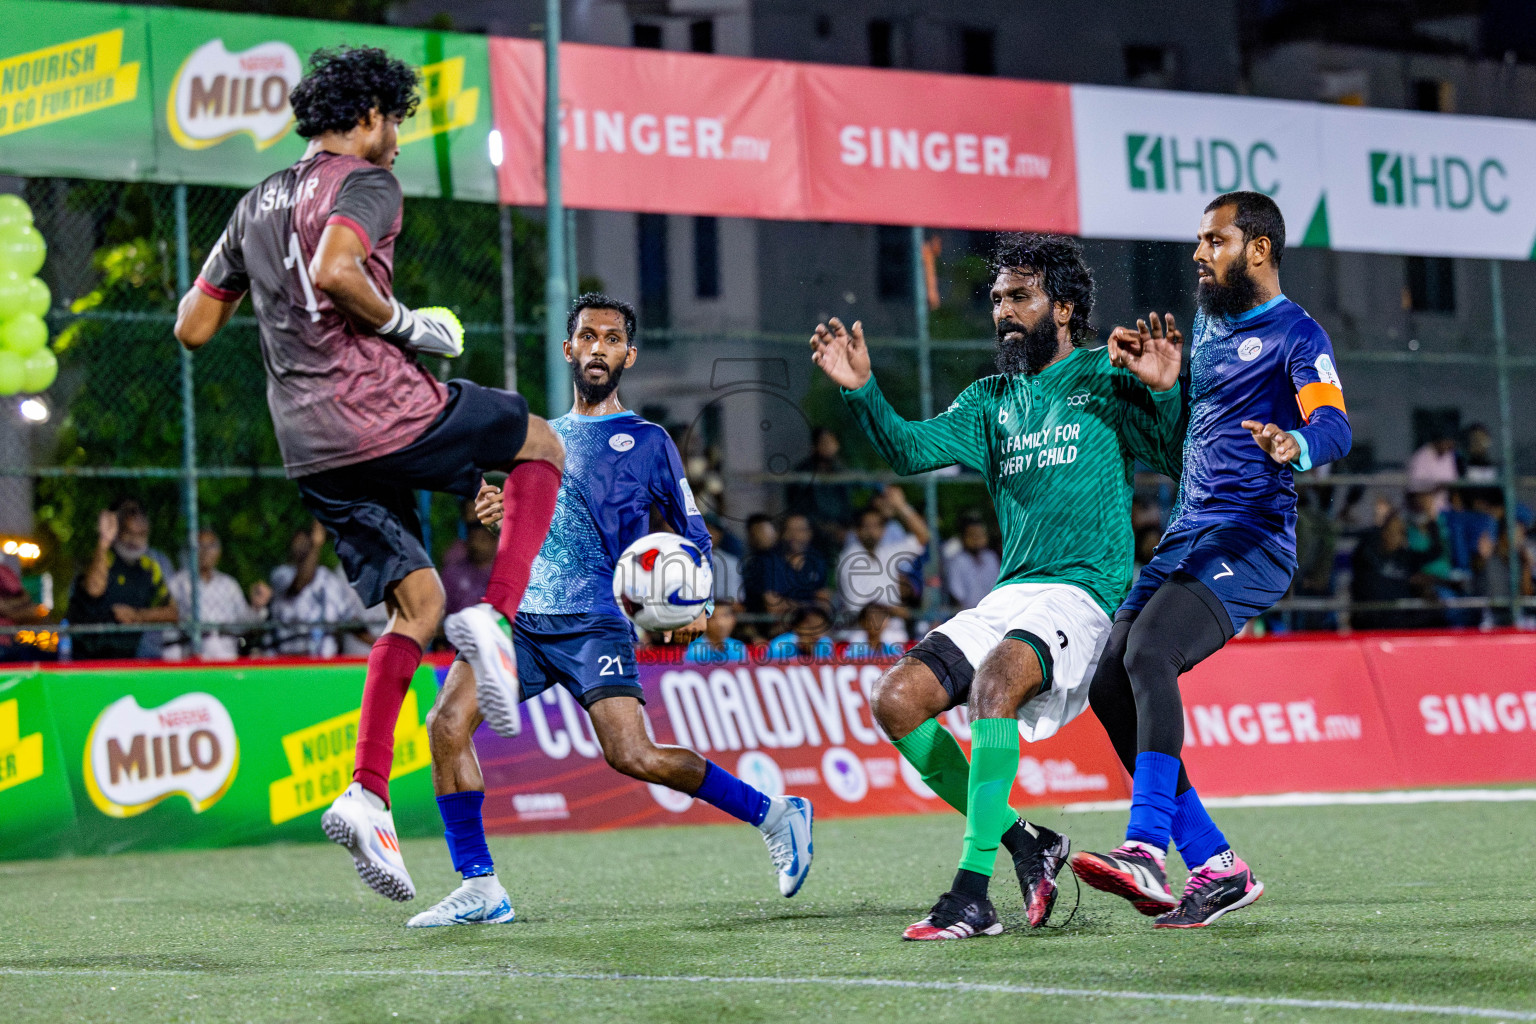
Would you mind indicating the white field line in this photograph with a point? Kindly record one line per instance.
(1346, 1005)
(1396, 796)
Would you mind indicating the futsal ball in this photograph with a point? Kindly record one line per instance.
(662, 582)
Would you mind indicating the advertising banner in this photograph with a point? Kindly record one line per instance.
(1461, 710)
(75, 90)
(194, 757)
(652, 131)
(221, 88)
(938, 150)
(1148, 162)
(800, 728)
(1430, 184)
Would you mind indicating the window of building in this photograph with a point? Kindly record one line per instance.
(647, 36)
(1152, 67)
(893, 263)
(1160, 277)
(977, 51)
(1434, 95)
(1431, 284)
(701, 36)
(882, 51)
(655, 275)
(706, 257)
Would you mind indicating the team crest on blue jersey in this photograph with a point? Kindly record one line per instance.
(621, 442)
(1249, 350)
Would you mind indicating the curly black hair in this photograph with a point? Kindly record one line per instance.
(597, 300)
(1058, 259)
(345, 83)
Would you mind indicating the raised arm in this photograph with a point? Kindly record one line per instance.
(1153, 416)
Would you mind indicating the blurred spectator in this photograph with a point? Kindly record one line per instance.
(809, 634)
(1479, 464)
(762, 535)
(465, 579)
(970, 564)
(1146, 515)
(220, 603)
(1387, 569)
(17, 609)
(1491, 572)
(1427, 532)
(1432, 467)
(871, 568)
(717, 646)
(726, 567)
(828, 505)
(1316, 540)
(121, 584)
(307, 596)
(790, 575)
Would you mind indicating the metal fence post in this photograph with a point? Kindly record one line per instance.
(556, 292)
(925, 406)
(508, 304)
(188, 433)
(1506, 433)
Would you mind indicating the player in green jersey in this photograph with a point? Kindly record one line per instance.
(1056, 434)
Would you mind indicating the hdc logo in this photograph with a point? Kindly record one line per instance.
(1448, 182)
(1164, 163)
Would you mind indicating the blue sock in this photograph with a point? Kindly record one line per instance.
(466, 833)
(723, 790)
(1152, 803)
(1194, 833)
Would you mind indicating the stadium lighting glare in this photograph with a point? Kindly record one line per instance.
(22, 549)
(494, 142)
(33, 410)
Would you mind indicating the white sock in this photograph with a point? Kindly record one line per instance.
(374, 800)
(485, 885)
(1223, 861)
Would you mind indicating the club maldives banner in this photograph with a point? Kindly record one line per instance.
(112, 759)
(104, 91)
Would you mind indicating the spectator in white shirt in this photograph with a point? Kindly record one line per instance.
(872, 564)
(1432, 467)
(308, 596)
(220, 603)
(970, 564)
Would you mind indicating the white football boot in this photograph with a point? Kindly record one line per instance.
(476, 635)
(787, 831)
(479, 900)
(368, 833)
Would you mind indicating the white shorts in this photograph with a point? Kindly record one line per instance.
(1061, 619)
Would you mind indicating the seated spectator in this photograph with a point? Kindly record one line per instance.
(1491, 573)
(717, 646)
(809, 634)
(1427, 537)
(308, 596)
(1479, 464)
(465, 579)
(970, 564)
(871, 567)
(828, 504)
(1387, 569)
(726, 567)
(790, 575)
(220, 603)
(868, 639)
(1432, 467)
(121, 584)
(17, 609)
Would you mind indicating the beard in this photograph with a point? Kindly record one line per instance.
(1028, 354)
(1238, 295)
(594, 392)
(130, 552)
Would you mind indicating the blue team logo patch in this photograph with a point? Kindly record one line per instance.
(621, 442)
(1249, 350)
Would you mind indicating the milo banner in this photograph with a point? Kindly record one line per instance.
(104, 760)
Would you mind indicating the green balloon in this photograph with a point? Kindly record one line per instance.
(12, 373)
(38, 371)
(38, 299)
(23, 334)
(13, 294)
(14, 210)
(22, 249)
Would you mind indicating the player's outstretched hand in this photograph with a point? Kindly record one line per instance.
(841, 353)
(488, 507)
(1154, 351)
(1277, 443)
(688, 634)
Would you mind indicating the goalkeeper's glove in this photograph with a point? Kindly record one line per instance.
(432, 329)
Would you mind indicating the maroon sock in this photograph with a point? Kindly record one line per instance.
(391, 664)
(528, 505)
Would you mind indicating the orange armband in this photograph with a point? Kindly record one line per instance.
(1312, 397)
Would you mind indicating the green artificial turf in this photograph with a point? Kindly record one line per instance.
(1430, 904)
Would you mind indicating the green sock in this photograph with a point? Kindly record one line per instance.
(994, 763)
(939, 760)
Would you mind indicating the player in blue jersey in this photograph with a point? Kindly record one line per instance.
(1265, 402)
(570, 632)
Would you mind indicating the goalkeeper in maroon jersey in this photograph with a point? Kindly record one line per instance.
(362, 424)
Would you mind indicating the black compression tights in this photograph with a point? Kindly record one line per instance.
(1135, 691)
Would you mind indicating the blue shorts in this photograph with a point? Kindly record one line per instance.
(1247, 568)
(591, 655)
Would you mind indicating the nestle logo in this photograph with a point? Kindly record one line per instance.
(540, 806)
